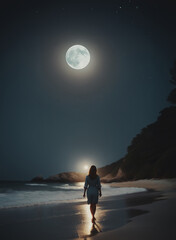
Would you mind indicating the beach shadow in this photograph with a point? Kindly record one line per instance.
(95, 229)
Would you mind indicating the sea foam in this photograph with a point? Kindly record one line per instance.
(31, 194)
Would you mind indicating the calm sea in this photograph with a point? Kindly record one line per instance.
(29, 194)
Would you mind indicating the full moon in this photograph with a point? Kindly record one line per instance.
(77, 57)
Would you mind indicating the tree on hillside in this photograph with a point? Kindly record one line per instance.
(172, 96)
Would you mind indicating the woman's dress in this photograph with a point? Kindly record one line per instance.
(92, 186)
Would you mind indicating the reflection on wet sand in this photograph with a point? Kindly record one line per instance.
(112, 214)
(87, 228)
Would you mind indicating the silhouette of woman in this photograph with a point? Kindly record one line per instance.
(93, 187)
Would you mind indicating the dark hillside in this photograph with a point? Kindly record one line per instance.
(152, 153)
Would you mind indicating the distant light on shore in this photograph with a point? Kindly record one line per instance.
(83, 165)
(86, 167)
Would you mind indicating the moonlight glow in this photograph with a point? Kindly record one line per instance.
(86, 167)
(77, 57)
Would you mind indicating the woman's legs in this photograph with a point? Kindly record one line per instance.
(93, 210)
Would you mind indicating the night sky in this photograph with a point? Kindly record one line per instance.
(55, 118)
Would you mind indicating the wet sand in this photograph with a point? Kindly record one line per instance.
(159, 219)
(142, 215)
(115, 212)
(159, 223)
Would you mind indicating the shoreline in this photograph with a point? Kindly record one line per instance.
(116, 216)
(48, 222)
(36, 195)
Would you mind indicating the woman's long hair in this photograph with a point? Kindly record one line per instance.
(93, 172)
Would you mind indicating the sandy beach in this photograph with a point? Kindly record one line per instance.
(150, 214)
(159, 218)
